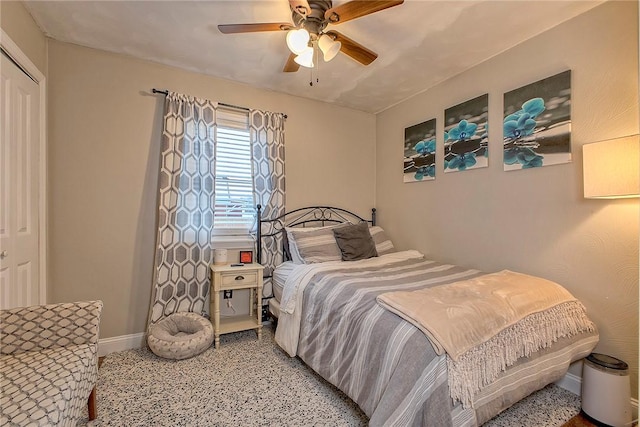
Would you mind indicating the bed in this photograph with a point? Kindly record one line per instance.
(339, 318)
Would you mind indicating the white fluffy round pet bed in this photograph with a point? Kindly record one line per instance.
(180, 336)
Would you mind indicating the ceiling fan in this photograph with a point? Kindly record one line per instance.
(310, 19)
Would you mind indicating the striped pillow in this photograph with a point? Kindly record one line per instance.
(383, 243)
(291, 242)
(314, 245)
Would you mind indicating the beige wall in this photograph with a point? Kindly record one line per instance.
(104, 138)
(20, 26)
(533, 221)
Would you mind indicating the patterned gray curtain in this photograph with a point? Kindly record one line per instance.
(267, 141)
(185, 208)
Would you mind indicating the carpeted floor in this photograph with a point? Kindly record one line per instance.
(253, 383)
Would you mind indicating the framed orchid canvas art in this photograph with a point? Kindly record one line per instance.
(420, 152)
(466, 137)
(537, 124)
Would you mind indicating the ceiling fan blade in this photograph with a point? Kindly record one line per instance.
(254, 28)
(300, 6)
(353, 49)
(291, 66)
(357, 8)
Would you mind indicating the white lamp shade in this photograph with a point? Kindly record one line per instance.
(298, 40)
(329, 47)
(305, 58)
(611, 168)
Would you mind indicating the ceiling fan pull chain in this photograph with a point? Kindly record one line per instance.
(317, 51)
(317, 64)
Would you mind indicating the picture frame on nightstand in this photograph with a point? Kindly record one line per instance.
(246, 257)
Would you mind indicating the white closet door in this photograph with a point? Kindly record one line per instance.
(19, 186)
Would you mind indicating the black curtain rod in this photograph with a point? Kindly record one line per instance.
(166, 92)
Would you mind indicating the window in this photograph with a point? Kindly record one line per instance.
(234, 204)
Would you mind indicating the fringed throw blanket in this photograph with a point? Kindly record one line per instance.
(487, 323)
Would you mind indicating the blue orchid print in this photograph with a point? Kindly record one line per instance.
(523, 126)
(517, 126)
(425, 147)
(462, 132)
(428, 170)
(461, 161)
(534, 107)
(522, 122)
(524, 156)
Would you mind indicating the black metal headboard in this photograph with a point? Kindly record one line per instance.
(315, 216)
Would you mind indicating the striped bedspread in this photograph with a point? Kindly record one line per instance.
(331, 320)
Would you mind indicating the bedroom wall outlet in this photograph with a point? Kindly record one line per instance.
(227, 294)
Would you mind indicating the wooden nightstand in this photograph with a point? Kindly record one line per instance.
(225, 277)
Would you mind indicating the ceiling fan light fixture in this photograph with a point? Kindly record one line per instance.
(329, 47)
(305, 58)
(298, 40)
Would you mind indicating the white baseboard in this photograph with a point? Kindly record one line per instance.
(121, 343)
(573, 383)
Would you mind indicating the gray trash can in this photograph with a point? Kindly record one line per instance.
(606, 393)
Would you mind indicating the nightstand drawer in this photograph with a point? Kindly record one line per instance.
(239, 279)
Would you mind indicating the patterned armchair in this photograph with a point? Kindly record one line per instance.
(48, 363)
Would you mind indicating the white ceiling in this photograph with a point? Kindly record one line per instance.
(420, 43)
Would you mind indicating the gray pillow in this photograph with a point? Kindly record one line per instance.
(355, 242)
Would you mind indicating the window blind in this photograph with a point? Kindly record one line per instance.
(234, 211)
